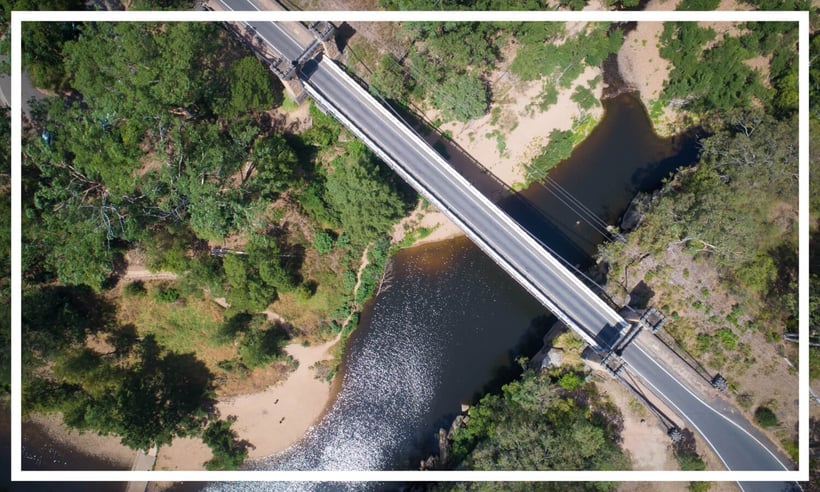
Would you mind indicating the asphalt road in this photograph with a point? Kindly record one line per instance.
(512, 247)
(499, 236)
(276, 37)
(736, 446)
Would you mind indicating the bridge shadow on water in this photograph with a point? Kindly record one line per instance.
(517, 205)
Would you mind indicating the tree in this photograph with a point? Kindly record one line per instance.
(250, 86)
(261, 345)
(247, 292)
(366, 203)
(390, 79)
(323, 242)
(42, 41)
(139, 391)
(228, 454)
(147, 70)
(766, 417)
(531, 427)
(462, 97)
(275, 164)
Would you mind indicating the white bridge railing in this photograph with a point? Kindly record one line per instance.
(468, 229)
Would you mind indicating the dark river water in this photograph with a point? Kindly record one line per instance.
(451, 323)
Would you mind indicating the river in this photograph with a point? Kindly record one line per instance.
(451, 323)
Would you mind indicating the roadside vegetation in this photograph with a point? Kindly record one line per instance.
(448, 68)
(716, 247)
(167, 148)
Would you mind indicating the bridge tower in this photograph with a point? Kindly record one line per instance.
(325, 33)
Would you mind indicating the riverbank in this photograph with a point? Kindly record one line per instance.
(271, 420)
(512, 133)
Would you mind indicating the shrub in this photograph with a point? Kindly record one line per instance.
(461, 97)
(228, 454)
(766, 417)
(323, 243)
(349, 280)
(166, 294)
(306, 290)
(570, 381)
(260, 347)
(136, 288)
(727, 338)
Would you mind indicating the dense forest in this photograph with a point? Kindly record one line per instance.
(168, 146)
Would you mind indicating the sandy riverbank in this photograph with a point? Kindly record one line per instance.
(89, 443)
(271, 420)
(298, 402)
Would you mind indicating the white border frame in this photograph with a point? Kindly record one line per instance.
(17, 474)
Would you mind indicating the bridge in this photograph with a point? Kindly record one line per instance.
(738, 445)
(500, 237)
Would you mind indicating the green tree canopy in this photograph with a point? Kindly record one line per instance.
(366, 203)
(532, 425)
(251, 87)
(462, 97)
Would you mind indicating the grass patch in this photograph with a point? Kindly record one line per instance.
(411, 237)
(190, 325)
(288, 104)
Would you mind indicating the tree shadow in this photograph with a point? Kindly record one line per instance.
(292, 254)
(641, 295)
(528, 345)
(55, 317)
(343, 34)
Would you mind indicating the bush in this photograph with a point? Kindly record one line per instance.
(136, 288)
(698, 5)
(323, 242)
(228, 454)
(727, 338)
(306, 290)
(766, 417)
(166, 294)
(349, 280)
(461, 97)
(260, 347)
(570, 381)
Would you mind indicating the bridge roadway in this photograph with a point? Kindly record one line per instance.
(512, 247)
(731, 436)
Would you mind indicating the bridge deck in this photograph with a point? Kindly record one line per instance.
(494, 231)
(522, 257)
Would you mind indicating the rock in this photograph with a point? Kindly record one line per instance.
(457, 422)
(465, 408)
(443, 444)
(429, 464)
(555, 357)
